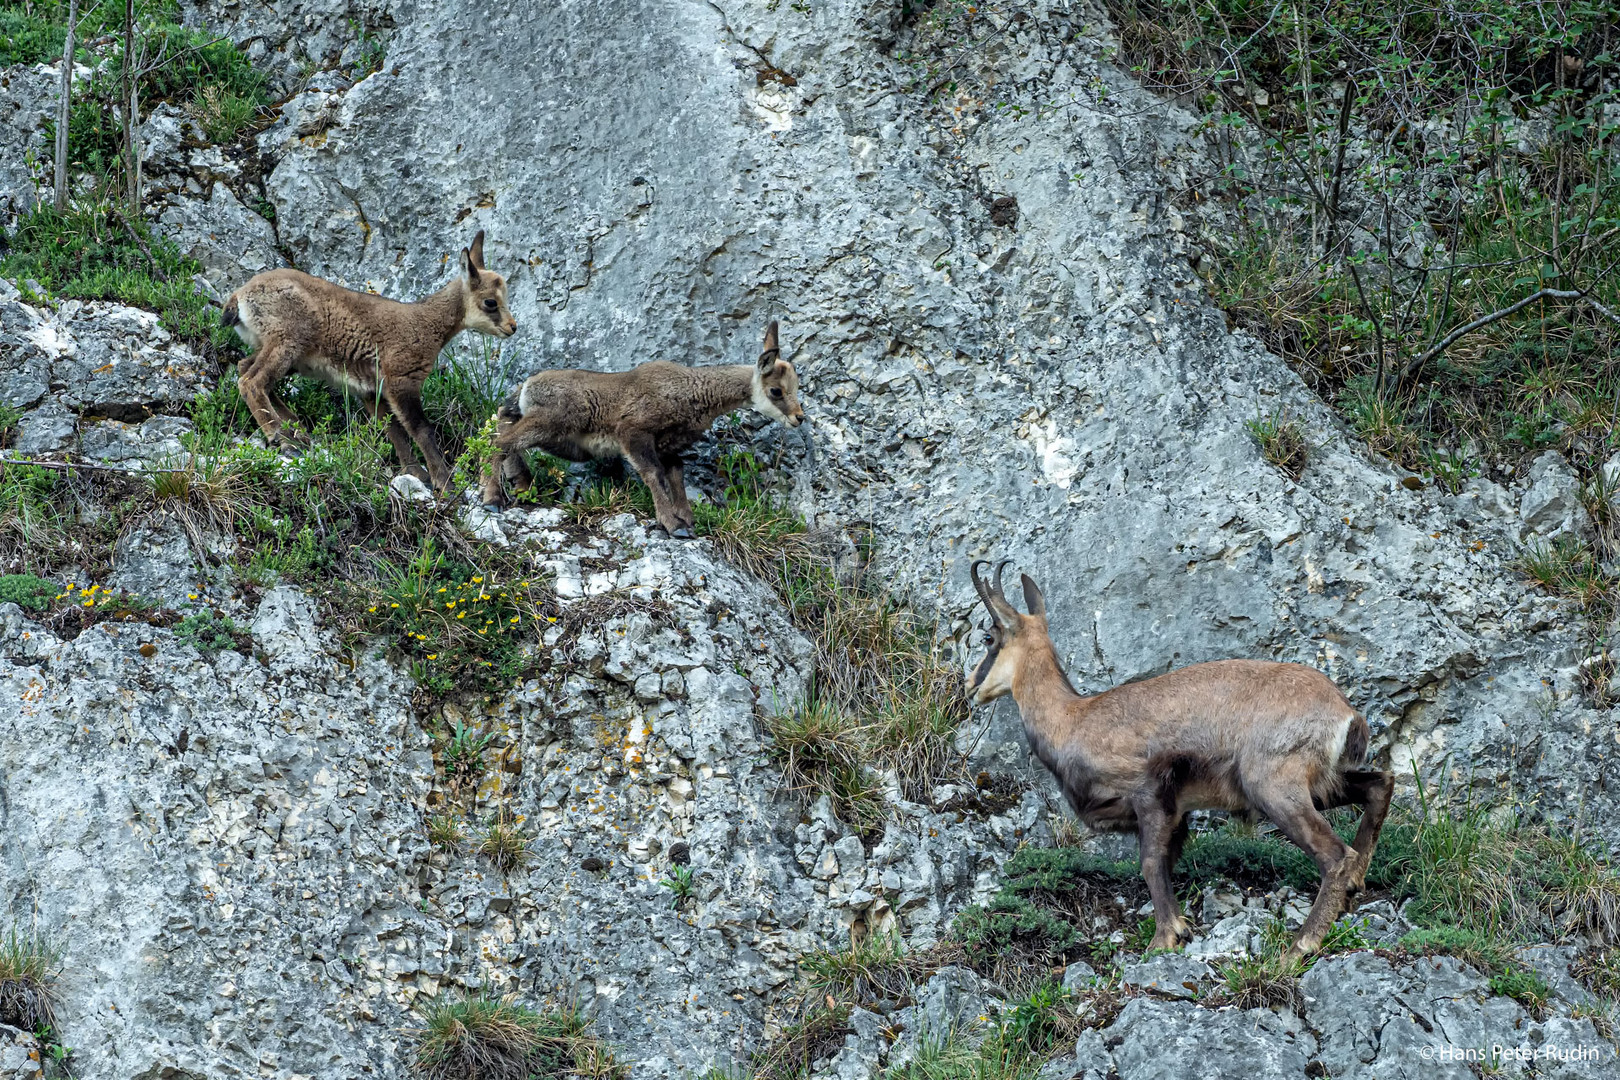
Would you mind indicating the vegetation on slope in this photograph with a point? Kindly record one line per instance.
(1419, 208)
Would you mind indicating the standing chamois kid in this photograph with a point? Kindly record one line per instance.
(379, 350)
(650, 415)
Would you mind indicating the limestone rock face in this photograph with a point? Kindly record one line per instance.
(231, 847)
(27, 104)
(99, 378)
(1052, 386)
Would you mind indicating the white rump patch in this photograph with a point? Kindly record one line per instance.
(1341, 732)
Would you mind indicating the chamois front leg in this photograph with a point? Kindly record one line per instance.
(1158, 831)
(397, 436)
(515, 435)
(643, 454)
(406, 403)
(256, 380)
(676, 471)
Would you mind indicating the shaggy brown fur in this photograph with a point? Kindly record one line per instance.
(380, 350)
(650, 415)
(1246, 736)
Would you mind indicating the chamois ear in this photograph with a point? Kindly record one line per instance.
(1033, 600)
(769, 352)
(476, 255)
(468, 269)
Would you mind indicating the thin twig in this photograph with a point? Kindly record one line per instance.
(1417, 363)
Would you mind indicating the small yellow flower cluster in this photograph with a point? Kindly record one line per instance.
(88, 595)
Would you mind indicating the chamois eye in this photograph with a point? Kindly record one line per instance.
(989, 639)
(490, 305)
(776, 392)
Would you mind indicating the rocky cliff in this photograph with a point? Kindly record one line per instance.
(1047, 382)
(1005, 354)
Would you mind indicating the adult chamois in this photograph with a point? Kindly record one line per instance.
(1247, 736)
(379, 350)
(649, 415)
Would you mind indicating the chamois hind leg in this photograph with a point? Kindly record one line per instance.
(1287, 802)
(406, 404)
(642, 454)
(1371, 790)
(1157, 833)
(676, 472)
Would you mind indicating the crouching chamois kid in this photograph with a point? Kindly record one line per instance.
(379, 350)
(1246, 736)
(650, 415)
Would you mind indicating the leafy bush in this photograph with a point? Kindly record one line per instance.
(27, 591)
(210, 633)
(1417, 212)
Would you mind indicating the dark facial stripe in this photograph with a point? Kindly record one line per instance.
(982, 672)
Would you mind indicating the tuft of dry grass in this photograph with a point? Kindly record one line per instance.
(1282, 442)
(28, 968)
(505, 845)
(791, 1054)
(446, 832)
(492, 1038)
(875, 968)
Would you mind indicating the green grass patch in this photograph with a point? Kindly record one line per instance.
(97, 252)
(51, 520)
(501, 1037)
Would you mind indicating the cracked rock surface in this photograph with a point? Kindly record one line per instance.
(1044, 380)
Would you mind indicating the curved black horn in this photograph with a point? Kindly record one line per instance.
(1000, 594)
(993, 599)
(979, 585)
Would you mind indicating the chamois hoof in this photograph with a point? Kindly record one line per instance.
(494, 508)
(682, 533)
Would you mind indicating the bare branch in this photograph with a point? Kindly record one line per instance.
(1416, 364)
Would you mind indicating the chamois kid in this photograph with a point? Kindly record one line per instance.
(1247, 736)
(650, 415)
(379, 350)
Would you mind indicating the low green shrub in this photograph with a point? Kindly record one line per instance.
(27, 591)
(211, 633)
